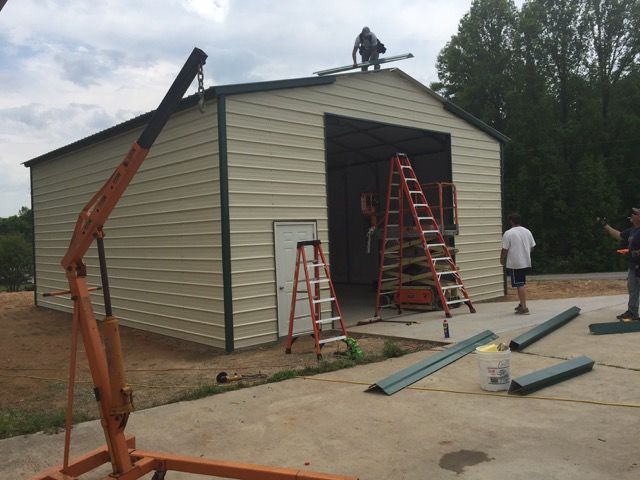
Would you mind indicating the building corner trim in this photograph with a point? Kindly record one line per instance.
(225, 228)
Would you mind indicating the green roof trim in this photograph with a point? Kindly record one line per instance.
(475, 121)
(404, 378)
(551, 375)
(609, 328)
(536, 333)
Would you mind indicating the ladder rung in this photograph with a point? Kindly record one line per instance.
(332, 339)
(327, 320)
(461, 300)
(387, 306)
(415, 191)
(304, 315)
(425, 218)
(430, 231)
(435, 244)
(324, 300)
(320, 280)
(447, 272)
(439, 259)
(449, 287)
(406, 166)
(311, 264)
(420, 205)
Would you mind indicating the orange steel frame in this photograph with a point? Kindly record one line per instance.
(104, 354)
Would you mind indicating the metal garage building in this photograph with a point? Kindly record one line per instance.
(201, 246)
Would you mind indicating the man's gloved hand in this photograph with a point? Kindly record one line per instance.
(602, 221)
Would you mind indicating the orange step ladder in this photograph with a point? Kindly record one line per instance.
(405, 198)
(314, 280)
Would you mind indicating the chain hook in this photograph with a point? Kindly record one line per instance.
(200, 89)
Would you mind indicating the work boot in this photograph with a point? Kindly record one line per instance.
(522, 311)
(626, 316)
(518, 307)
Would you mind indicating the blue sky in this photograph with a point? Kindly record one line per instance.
(71, 68)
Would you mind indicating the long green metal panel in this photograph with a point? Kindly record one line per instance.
(614, 327)
(543, 329)
(551, 375)
(413, 373)
(364, 64)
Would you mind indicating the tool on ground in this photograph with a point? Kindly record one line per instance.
(445, 328)
(429, 277)
(364, 64)
(224, 377)
(104, 354)
(316, 276)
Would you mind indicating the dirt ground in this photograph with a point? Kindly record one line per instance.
(35, 346)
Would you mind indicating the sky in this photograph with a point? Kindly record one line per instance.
(72, 68)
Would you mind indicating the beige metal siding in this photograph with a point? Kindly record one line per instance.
(162, 240)
(276, 165)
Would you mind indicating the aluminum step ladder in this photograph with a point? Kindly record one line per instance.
(405, 198)
(316, 280)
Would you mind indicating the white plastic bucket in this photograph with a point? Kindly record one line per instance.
(495, 369)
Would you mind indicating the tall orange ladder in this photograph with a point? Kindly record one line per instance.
(321, 276)
(404, 192)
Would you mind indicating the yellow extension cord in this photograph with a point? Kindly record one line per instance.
(353, 382)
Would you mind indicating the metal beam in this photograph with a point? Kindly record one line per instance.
(364, 64)
(548, 376)
(614, 327)
(412, 374)
(543, 329)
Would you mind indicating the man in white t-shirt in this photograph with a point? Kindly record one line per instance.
(517, 245)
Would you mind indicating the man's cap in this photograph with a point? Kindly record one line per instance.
(636, 210)
(365, 30)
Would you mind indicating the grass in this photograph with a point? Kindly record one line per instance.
(15, 421)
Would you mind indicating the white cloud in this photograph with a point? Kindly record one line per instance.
(71, 68)
(215, 10)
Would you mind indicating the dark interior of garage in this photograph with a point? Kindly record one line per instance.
(358, 154)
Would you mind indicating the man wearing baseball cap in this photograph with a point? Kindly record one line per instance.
(630, 239)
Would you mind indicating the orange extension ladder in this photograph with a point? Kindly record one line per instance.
(394, 284)
(320, 269)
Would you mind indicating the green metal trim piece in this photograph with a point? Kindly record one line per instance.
(614, 327)
(225, 226)
(429, 365)
(543, 329)
(33, 241)
(460, 112)
(395, 58)
(548, 376)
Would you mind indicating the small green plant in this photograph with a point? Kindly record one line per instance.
(391, 349)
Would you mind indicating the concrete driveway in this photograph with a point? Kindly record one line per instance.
(442, 427)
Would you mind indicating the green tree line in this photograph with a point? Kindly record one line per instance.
(561, 79)
(16, 250)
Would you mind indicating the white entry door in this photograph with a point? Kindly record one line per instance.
(287, 236)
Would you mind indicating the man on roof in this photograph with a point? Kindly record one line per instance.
(367, 43)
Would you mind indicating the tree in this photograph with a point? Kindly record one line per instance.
(16, 266)
(475, 66)
(20, 224)
(613, 41)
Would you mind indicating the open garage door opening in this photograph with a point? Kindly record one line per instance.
(358, 153)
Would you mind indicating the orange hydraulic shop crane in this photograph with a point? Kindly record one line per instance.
(114, 396)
